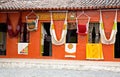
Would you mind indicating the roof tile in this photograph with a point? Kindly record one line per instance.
(57, 4)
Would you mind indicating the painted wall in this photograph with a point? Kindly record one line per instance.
(58, 52)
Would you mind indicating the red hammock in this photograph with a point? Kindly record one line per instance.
(82, 29)
(10, 27)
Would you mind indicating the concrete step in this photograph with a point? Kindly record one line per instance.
(59, 64)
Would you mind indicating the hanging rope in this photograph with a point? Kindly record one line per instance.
(10, 27)
(112, 38)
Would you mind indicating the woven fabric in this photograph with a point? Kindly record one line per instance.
(10, 27)
(82, 29)
(32, 24)
(112, 38)
(94, 51)
(53, 33)
(70, 50)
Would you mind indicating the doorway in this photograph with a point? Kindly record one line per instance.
(46, 42)
(117, 42)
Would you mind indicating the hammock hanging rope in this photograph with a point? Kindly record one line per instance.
(53, 33)
(112, 38)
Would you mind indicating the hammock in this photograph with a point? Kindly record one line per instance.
(112, 38)
(53, 34)
(70, 50)
(10, 28)
(82, 29)
(32, 21)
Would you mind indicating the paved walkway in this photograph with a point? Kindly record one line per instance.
(37, 72)
(60, 64)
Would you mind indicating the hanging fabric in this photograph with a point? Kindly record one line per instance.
(53, 34)
(94, 51)
(82, 29)
(23, 48)
(70, 50)
(112, 38)
(32, 21)
(10, 27)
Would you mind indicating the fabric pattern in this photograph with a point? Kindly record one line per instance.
(32, 24)
(23, 48)
(82, 29)
(94, 51)
(53, 33)
(112, 38)
(70, 50)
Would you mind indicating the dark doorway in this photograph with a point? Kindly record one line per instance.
(47, 44)
(117, 43)
(3, 34)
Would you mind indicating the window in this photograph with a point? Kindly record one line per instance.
(93, 33)
(3, 34)
(24, 34)
(71, 33)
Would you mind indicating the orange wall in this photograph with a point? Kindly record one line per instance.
(58, 52)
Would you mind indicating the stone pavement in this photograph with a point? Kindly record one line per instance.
(60, 64)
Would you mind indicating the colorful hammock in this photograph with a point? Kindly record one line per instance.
(94, 51)
(112, 38)
(53, 34)
(32, 24)
(70, 50)
(32, 21)
(82, 29)
(10, 28)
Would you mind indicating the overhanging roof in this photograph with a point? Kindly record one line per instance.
(58, 4)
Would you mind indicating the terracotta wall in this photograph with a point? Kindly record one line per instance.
(58, 52)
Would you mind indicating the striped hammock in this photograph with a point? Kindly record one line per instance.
(53, 34)
(112, 38)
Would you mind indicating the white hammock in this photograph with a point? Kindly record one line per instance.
(112, 38)
(53, 34)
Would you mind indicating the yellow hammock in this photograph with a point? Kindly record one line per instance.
(94, 51)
